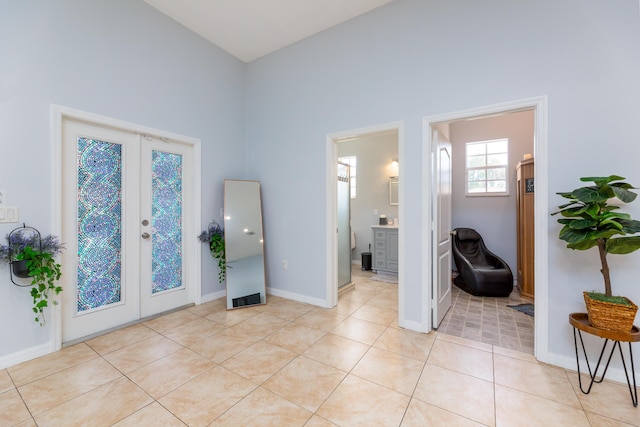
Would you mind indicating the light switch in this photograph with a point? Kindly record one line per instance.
(8, 214)
(12, 214)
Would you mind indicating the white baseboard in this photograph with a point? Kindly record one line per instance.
(297, 297)
(569, 363)
(413, 326)
(213, 296)
(25, 355)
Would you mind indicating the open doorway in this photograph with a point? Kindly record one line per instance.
(495, 217)
(378, 154)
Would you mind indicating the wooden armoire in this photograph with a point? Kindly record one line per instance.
(525, 227)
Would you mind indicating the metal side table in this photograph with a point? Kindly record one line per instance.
(580, 322)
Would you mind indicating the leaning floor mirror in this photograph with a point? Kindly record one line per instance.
(244, 244)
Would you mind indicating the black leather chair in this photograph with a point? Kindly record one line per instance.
(481, 272)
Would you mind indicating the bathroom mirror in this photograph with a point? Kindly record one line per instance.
(393, 190)
(244, 245)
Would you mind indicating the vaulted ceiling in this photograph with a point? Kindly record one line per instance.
(249, 29)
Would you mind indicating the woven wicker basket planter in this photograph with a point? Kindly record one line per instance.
(610, 316)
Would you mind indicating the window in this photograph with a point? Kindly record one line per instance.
(486, 167)
(351, 161)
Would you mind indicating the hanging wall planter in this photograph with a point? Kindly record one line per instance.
(20, 269)
(214, 236)
(32, 257)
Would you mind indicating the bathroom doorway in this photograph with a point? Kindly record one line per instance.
(377, 153)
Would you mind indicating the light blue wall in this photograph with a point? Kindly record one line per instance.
(414, 58)
(117, 58)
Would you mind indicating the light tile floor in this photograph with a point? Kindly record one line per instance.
(292, 364)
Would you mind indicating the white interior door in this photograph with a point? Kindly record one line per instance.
(441, 237)
(113, 181)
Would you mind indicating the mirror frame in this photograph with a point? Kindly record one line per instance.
(393, 190)
(235, 300)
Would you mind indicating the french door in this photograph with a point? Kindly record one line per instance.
(125, 199)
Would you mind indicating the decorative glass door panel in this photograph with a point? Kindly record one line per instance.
(166, 214)
(99, 224)
(164, 189)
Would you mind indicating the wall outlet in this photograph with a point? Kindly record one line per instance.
(285, 264)
(375, 211)
(3, 196)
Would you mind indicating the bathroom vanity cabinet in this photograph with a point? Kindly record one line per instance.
(385, 248)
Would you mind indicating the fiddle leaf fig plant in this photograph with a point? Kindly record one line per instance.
(589, 220)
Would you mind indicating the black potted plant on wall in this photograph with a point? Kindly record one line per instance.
(214, 236)
(31, 256)
(589, 220)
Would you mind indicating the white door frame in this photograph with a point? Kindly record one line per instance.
(539, 106)
(331, 299)
(193, 247)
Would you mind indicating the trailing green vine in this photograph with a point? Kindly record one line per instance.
(216, 244)
(44, 272)
(214, 236)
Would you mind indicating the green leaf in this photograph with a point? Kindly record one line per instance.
(580, 224)
(593, 211)
(589, 195)
(630, 226)
(616, 215)
(623, 245)
(583, 246)
(573, 212)
(611, 223)
(587, 236)
(602, 180)
(624, 185)
(566, 205)
(566, 195)
(624, 194)
(570, 235)
(603, 234)
(610, 208)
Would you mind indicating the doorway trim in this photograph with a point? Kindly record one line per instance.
(539, 105)
(331, 242)
(194, 250)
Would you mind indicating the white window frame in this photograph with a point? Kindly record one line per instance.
(352, 162)
(485, 168)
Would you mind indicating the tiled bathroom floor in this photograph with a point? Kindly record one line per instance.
(292, 364)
